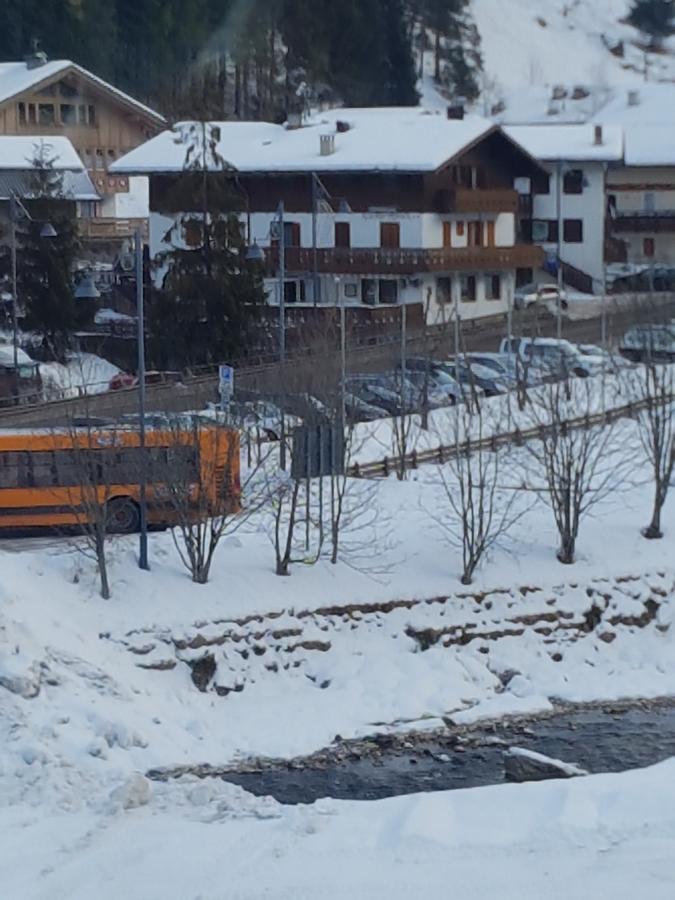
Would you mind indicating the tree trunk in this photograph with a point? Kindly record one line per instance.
(102, 567)
(653, 530)
(437, 57)
(566, 552)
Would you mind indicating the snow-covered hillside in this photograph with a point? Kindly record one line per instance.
(527, 42)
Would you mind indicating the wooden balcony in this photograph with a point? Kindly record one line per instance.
(478, 200)
(110, 229)
(661, 221)
(383, 261)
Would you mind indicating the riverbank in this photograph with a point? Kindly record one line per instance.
(600, 737)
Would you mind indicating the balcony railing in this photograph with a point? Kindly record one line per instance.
(485, 200)
(111, 228)
(660, 220)
(384, 261)
(476, 200)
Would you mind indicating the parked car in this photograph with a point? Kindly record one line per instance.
(557, 357)
(474, 376)
(543, 294)
(439, 379)
(503, 365)
(643, 342)
(357, 410)
(612, 361)
(123, 380)
(387, 392)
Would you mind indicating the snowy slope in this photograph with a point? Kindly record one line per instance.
(527, 42)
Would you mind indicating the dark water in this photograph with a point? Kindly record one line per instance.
(609, 740)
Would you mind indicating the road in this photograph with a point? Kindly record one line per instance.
(308, 371)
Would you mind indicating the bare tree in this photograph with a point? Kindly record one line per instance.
(284, 501)
(652, 387)
(576, 461)
(199, 478)
(91, 465)
(481, 511)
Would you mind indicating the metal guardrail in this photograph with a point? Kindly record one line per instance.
(441, 454)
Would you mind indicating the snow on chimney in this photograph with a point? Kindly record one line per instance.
(597, 135)
(327, 144)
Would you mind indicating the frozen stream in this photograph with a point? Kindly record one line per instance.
(608, 738)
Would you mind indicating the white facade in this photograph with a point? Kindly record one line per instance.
(644, 196)
(471, 294)
(585, 251)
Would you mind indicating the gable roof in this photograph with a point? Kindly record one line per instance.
(18, 152)
(387, 139)
(571, 143)
(17, 77)
(17, 161)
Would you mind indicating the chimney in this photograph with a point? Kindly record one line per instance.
(633, 98)
(342, 126)
(597, 135)
(36, 57)
(456, 111)
(327, 144)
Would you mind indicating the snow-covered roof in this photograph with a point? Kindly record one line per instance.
(17, 77)
(572, 143)
(405, 139)
(651, 145)
(19, 152)
(648, 104)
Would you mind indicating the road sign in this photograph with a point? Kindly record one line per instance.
(225, 383)
(318, 451)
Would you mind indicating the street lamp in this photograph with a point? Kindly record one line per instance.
(47, 231)
(86, 289)
(140, 333)
(255, 253)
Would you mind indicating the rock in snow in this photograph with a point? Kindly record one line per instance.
(526, 765)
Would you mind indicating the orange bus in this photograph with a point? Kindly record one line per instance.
(52, 479)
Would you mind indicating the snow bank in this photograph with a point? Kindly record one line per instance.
(83, 373)
(602, 836)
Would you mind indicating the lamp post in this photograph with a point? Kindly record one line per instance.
(140, 330)
(47, 231)
(255, 253)
(559, 177)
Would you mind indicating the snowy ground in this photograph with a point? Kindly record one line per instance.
(608, 836)
(92, 692)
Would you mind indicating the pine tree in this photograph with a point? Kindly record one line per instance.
(45, 279)
(653, 17)
(210, 297)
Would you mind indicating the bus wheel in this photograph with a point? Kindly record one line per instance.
(122, 516)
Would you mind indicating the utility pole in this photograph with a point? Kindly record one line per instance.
(282, 328)
(140, 314)
(15, 302)
(343, 357)
(315, 217)
(559, 177)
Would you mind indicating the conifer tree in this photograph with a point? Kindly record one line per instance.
(210, 297)
(45, 273)
(654, 18)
